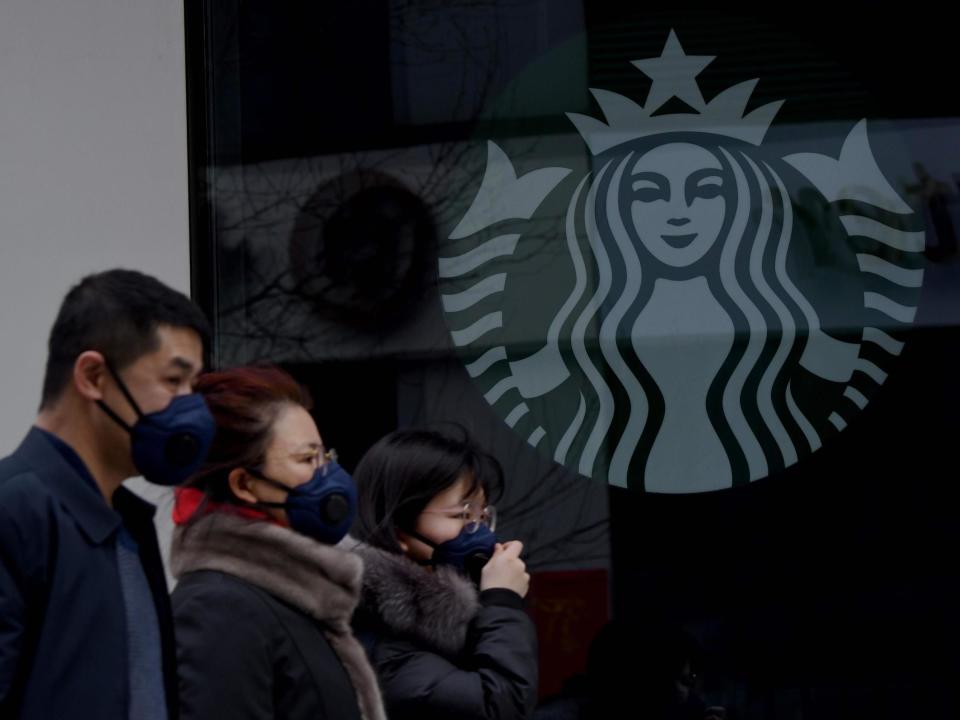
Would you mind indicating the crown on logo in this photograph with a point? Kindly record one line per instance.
(674, 75)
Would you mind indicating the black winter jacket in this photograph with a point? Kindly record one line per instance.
(262, 618)
(63, 633)
(441, 650)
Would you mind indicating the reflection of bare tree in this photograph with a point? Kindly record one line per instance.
(261, 205)
(282, 221)
(323, 257)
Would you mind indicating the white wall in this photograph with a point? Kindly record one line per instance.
(93, 167)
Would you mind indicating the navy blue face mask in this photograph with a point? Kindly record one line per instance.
(323, 508)
(167, 446)
(468, 552)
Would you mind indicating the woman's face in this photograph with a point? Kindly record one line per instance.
(442, 519)
(293, 455)
(677, 202)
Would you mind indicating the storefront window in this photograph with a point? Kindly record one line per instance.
(692, 276)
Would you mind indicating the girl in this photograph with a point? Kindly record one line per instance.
(442, 605)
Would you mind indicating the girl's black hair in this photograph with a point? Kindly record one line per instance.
(403, 471)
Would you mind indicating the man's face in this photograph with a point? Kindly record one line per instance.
(156, 378)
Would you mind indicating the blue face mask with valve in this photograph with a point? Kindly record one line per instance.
(468, 552)
(167, 446)
(323, 508)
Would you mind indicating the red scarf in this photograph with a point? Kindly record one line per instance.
(188, 502)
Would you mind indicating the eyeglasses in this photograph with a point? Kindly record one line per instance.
(327, 457)
(473, 514)
(323, 459)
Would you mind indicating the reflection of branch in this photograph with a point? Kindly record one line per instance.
(413, 25)
(259, 205)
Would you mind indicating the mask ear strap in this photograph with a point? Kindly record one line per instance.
(260, 476)
(264, 503)
(430, 543)
(421, 538)
(113, 416)
(123, 389)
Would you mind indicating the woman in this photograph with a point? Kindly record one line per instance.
(264, 598)
(442, 608)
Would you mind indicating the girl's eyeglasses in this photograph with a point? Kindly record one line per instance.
(473, 515)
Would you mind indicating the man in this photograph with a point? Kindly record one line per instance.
(85, 628)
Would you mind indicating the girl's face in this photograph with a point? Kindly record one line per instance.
(443, 518)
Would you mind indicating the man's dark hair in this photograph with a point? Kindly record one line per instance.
(116, 313)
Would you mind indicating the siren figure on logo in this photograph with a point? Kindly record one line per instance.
(690, 353)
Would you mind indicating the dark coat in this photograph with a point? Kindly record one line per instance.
(263, 624)
(440, 649)
(63, 635)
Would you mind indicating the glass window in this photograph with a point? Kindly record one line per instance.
(691, 275)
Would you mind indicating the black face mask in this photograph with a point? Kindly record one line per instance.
(167, 446)
(323, 508)
(468, 552)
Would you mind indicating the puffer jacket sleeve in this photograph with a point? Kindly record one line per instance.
(495, 678)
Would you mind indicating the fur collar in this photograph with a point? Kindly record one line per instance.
(432, 607)
(321, 580)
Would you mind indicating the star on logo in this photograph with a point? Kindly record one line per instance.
(674, 75)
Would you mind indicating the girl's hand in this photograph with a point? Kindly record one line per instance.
(506, 570)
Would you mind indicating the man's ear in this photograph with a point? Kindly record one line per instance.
(90, 374)
(240, 482)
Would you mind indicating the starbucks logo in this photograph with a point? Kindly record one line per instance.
(691, 311)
